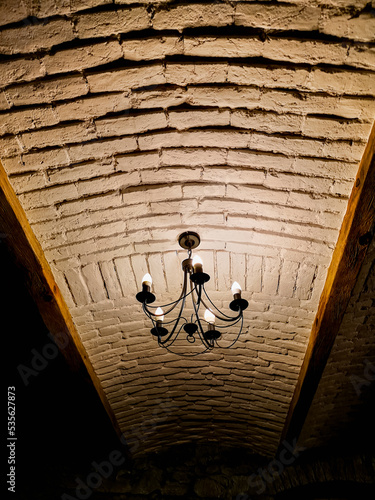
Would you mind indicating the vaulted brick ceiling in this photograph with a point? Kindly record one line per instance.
(123, 125)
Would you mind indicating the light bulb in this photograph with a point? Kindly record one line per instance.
(197, 264)
(209, 317)
(147, 280)
(160, 314)
(236, 288)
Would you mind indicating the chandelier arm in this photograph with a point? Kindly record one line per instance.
(183, 299)
(229, 325)
(227, 317)
(176, 302)
(164, 343)
(200, 328)
(234, 341)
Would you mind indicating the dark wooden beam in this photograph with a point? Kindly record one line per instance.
(354, 238)
(20, 240)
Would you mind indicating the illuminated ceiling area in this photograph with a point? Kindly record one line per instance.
(124, 124)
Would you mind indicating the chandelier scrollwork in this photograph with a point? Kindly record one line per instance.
(207, 329)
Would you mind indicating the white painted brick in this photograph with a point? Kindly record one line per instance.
(126, 277)
(316, 202)
(258, 193)
(182, 120)
(277, 17)
(101, 148)
(20, 70)
(305, 278)
(65, 87)
(79, 172)
(56, 194)
(33, 37)
(296, 230)
(360, 28)
(130, 124)
(297, 182)
(106, 23)
(58, 136)
(94, 280)
(158, 97)
(11, 12)
(238, 268)
(43, 160)
(153, 195)
(288, 278)
(151, 222)
(231, 97)
(125, 79)
(25, 183)
(77, 286)
(18, 121)
(92, 107)
(77, 5)
(223, 270)
(5, 102)
(104, 184)
(203, 190)
(279, 49)
(254, 273)
(193, 16)
(204, 138)
(266, 122)
(176, 174)
(333, 129)
(227, 176)
(185, 73)
(193, 157)
(104, 201)
(156, 266)
(270, 275)
(82, 57)
(154, 48)
(138, 161)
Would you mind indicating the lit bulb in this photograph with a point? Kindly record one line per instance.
(236, 288)
(147, 280)
(160, 314)
(209, 317)
(197, 264)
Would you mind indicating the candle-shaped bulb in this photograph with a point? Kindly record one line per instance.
(197, 264)
(160, 314)
(209, 317)
(236, 288)
(147, 280)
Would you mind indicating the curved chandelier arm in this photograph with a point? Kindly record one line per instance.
(177, 320)
(221, 316)
(235, 340)
(167, 347)
(196, 311)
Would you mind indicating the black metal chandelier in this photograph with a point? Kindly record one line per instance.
(207, 329)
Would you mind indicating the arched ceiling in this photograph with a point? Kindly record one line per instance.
(125, 123)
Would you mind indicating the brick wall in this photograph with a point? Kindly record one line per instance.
(123, 125)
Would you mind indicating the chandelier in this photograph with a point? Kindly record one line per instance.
(208, 329)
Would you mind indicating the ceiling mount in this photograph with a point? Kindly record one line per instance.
(189, 240)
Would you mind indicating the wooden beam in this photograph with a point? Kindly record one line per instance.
(355, 235)
(17, 234)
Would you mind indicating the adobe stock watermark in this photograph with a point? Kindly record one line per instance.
(116, 458)
(41, 359)
(257, 482)
(366, 380)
